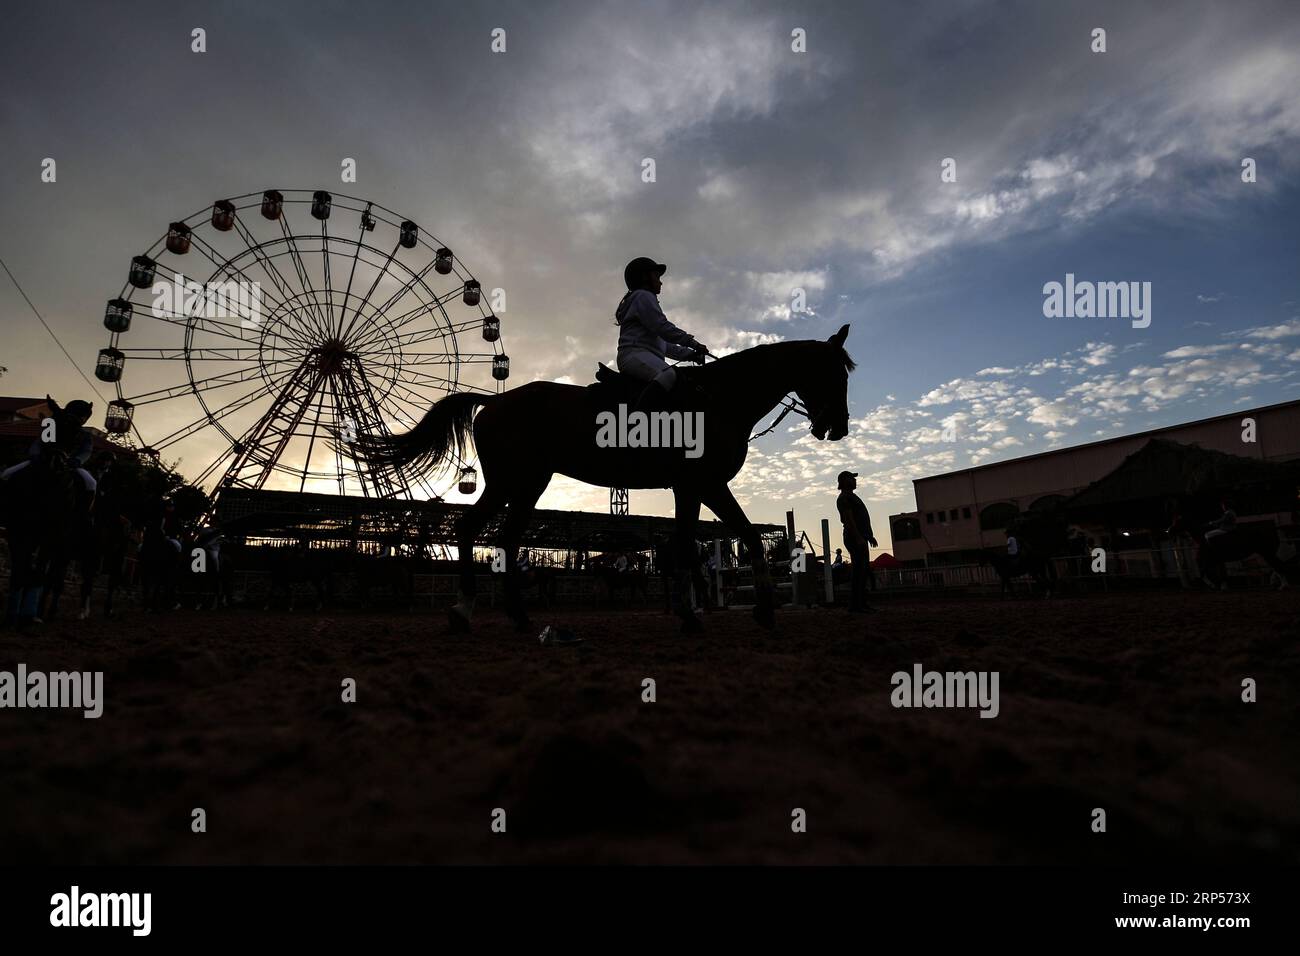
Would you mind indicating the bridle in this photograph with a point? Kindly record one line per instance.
(788, 405)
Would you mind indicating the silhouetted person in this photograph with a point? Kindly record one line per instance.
(646, 336)
(857, 538)
(1226, 522)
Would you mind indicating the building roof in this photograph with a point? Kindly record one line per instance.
(1150, 433)
(13, 403)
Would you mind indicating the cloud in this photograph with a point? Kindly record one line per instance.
(1282, 331)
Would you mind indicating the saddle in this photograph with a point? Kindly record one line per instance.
(612, 387)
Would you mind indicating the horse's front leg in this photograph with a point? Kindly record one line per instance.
(723, 504)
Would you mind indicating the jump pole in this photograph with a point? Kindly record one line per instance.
(717, 572)
(794, 578)
(826, 562)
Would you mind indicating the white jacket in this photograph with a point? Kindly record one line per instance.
(643, 325)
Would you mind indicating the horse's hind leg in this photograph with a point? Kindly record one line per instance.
(467, 532)
(518, 513)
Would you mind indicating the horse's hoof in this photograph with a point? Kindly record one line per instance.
(458, 622)
(764, 616)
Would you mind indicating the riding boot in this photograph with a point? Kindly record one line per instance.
(653, 398)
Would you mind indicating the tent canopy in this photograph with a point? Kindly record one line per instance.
(1162, 471)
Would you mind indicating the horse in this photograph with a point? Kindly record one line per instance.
(633, 580)
(43, 511)
(207, 581)
(527, 435)
(1244, 540)
(106, 541)
(162, 563)
(1028, 561)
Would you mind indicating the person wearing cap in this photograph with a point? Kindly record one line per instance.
(857, 538)
(646, 338)
(70, 435)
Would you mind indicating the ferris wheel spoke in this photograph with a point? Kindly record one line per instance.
(325, 265)
(277, 278)
(435, 308)
(412, 376)
(210, 416)
(413, 279)
(268, 266)
(365, 300)
(304, 278)
(225, 266)
(381, 340)
(435, 334)
(194, 355)
(445, 358)
(221, 380)
(200, 324)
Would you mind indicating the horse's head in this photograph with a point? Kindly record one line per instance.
(824, 389)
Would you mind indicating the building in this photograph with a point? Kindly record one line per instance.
(963, 512)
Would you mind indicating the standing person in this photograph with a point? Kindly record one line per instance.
(646, 336)
(857, 538)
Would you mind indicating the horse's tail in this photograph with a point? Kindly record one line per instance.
(442, 433)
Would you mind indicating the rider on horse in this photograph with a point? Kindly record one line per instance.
(69, 435)
(646, 336)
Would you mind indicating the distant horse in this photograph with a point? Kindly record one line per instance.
(161, 565)
(545, 580)
(298, 564)
(1028, 562)
(633, 581)
(528, 434)
(392, 572)
(1244, 540)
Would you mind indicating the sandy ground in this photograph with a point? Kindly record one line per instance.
(1126, 702)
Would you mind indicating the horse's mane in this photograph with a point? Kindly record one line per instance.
(772, 348)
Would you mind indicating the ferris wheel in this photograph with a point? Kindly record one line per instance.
(252, 337)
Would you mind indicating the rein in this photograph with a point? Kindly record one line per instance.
(794, 405)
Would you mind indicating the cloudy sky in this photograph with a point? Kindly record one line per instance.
(775, 170)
